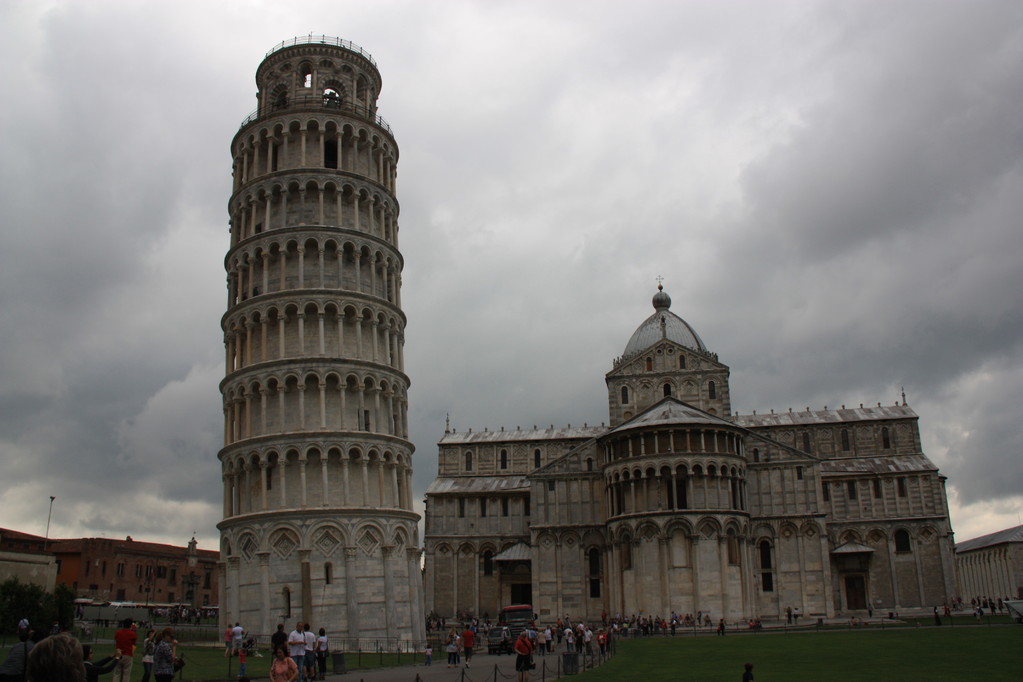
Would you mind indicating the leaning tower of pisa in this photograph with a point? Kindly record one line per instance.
(318, 523)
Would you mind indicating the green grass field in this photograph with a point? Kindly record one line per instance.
(936, 654)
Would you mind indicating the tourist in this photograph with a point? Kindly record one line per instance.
(321, 653)
(429, 654)
(56, 659)
(747, 676)
(237, 635)
(101, 667)
(278, 640)
(163, 656)
(721, 627)
(125, 639)
(296, 648)
(228, 639)
(452, 648)
(468, 642)
(14, 666)
(283, 668)
(309, 659)
(523, 657)
(148, 648)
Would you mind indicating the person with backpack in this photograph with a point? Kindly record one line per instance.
(14, 667)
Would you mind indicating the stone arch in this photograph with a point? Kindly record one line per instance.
(709, 527)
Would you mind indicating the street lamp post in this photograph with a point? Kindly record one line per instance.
(46, 542)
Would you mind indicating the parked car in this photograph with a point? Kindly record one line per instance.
(499, 641)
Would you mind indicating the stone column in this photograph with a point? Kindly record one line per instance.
(323, 404)
(386, 566)
(351, 593)
(282, 463)
(269, 621)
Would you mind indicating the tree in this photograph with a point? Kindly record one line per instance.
(27, 600)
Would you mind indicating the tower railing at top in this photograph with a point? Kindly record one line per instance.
(322, 40)
(324, 102)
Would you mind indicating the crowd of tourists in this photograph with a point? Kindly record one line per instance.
(300, 656)
(42, 655)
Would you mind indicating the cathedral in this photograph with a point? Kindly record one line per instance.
(679, 504)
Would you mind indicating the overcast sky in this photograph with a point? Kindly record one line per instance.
(832, 192)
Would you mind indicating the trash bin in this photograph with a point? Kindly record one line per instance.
(338, 661)
(570, 663)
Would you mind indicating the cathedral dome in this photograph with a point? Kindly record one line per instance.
(663, 324)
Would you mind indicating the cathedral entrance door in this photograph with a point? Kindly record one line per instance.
(855, 592)
(521, 593)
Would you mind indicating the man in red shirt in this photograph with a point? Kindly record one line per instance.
(524, 657)
(468, 642)
(124, 641)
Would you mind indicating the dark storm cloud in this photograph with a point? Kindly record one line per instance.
(831, 191)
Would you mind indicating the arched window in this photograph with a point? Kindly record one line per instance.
(806, 442)
(504, 459)
(902, 541)
(328, 573)
(756, 454)
(504, 506)
(468, 461)
(845, 440)
(681, 362)
(280, 97)
(625, 395)
(488, 563)
(536, 458)
(626, 554)
(331, 98)
(589, 464)
(765, 554)
(286, 599)
(649, 364)
(886, 441)
(667, 390)
(330, 153)
(712, 390)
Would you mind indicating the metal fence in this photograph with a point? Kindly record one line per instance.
(321, 40)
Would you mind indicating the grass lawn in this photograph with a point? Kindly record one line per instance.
(933, 653)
